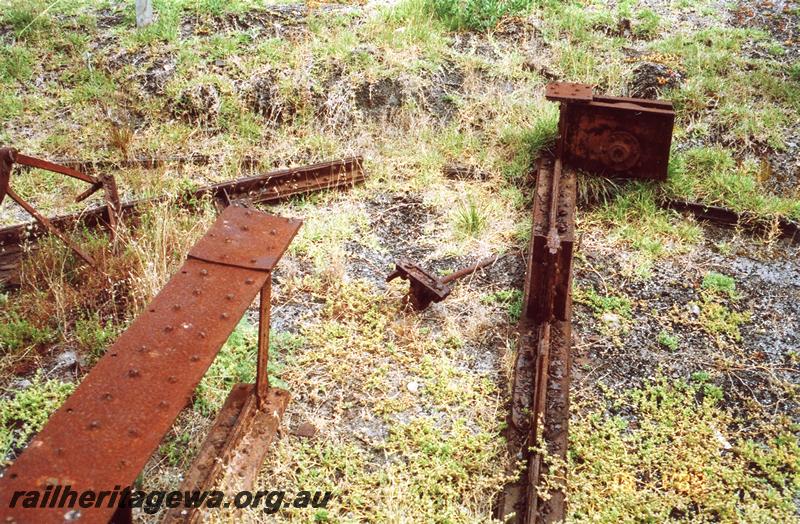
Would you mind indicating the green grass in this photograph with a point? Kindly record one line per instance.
(17, 332)
(668, 340)
(25, 412)
(510, 298)
(712, 175)
(719, 284)
(666, 460)
(601, 304)
(476, 15)
(469, 218)
(236, 363)
(752, 103)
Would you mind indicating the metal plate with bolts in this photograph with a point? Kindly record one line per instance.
(106, 431)
(613, 136)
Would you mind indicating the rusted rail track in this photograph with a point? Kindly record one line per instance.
(539, 414)
(611, 136)
(787, 229)
(266, 188)
(106, 431)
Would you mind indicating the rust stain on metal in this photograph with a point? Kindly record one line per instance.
(424, 287)
(548, 278)
(107, 429)
(231, 239)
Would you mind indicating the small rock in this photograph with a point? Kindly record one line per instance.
(694, 309)
(723, 442)
(68, 359)
(611, 319)
(305, 430)
(21, 384)
(413, 387)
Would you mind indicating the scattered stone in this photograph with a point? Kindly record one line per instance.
(21, 384)
(650, 79)
(68, 360)
(412, 387)
(305, 430)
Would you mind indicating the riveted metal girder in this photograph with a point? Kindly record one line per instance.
(107, 430)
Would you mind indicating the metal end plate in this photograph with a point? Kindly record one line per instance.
(246, 238)
(568, 92)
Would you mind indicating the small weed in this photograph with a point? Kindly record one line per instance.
(175, 449)
(511, 298)
(27, 411)
(477, 15)
(470, 220)
(719, 284)
(17, 332)
(601, 304)
(721, 321)
(667, 340)
(93, 335)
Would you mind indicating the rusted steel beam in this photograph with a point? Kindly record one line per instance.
(234, 448)
(543, 349)
(548, 279)
(109, 427)
(271, 187)
(539, 411)
(727, 217)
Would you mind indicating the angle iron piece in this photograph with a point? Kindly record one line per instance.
(424, 288)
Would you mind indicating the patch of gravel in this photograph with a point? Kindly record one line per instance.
(761, 367)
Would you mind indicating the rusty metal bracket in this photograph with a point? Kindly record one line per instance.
(425, 288)
(109, 427)
(613, 136)
(10, 156)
